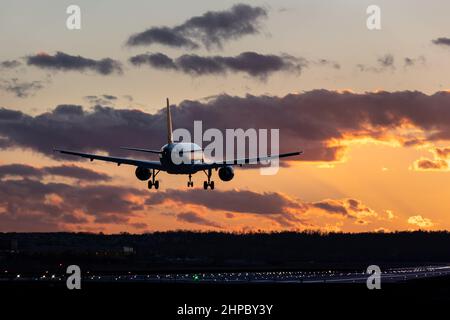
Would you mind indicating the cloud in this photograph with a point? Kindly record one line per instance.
(156, 60)
(64, 62)
(251, 63)
(72, 171)
(443, 153)
(193, 217)
(28, 204)
(442, 41)
(104, 99)
(162, 35)
(273, 206)
(20, 170)
(429, 164)
(350, 208)
(318, 122)
(233, 200)
(21, 89)
(420, 221)
(331, 206)
(410, 62)
(31, 205)
(439, 163)
(212, 29)
(385, 62)
(286, 211)
(326, 62)
(10, 64)
(68, 171)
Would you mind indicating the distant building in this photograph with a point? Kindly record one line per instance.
(128, 250)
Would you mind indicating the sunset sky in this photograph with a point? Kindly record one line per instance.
(370, 109)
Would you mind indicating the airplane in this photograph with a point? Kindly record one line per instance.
(148, 170)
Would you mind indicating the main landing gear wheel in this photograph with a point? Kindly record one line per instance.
(154, 182)
(209, 182)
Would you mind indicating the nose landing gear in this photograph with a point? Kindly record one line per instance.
(190, 182)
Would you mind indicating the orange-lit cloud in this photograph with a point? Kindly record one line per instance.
(323, 123)
(429, 164)
(420, 221)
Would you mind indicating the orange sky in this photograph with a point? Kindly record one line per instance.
(380, 163)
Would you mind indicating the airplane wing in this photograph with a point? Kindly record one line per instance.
(142, 150)
(138, 163)
(240, 162)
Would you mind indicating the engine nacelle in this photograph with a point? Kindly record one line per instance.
(143, 174)
(226, 173)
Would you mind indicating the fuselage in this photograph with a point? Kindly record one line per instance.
(180, 158)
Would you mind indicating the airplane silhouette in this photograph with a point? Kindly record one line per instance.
(146, 170)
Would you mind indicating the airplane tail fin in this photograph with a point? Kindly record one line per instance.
(169, 124)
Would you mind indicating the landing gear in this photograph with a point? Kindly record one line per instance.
(154, 182)
(209, 182)
(190, 182)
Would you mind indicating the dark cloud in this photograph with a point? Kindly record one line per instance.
(251, 63)
(312, 121)
(428, 164)
(211, 29)
(64, 62)
(285, 211)
(139, 225)
(234, 200)
(22, 89)
(443, 153)
(350, 208)
(442, 41)
(10, 64)
(104, 99)
(331, 206)
(31, 205)
(156, 60)
(162, 35)
(193, 217)
(68, 171)
(20, 170)
(75, 172)
(272, 205)
(5, 143)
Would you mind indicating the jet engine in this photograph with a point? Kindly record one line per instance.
(226, 173)
(143, 174)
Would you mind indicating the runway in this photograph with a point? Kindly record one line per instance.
(392, 275)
